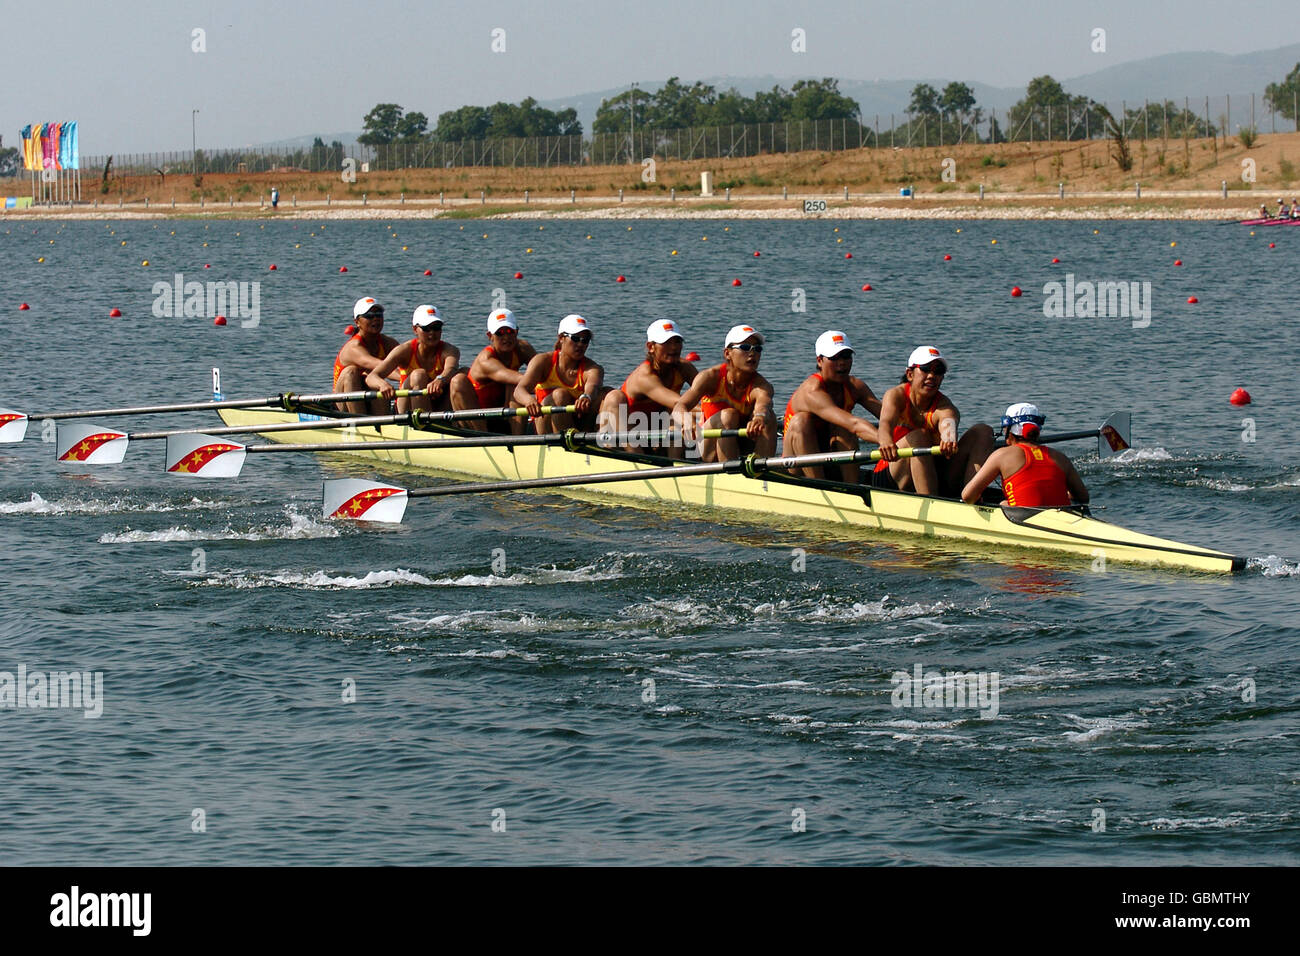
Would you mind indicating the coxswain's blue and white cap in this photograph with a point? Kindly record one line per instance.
(1024, 420)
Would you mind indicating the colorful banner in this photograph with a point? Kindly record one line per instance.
(51, 146)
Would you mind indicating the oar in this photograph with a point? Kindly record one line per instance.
(13, 424)
(94, 445)
(1112, 435)
(201, 456)
(372, 501)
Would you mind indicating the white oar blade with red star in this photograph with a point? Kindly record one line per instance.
(13, 426)
(204, 456)
(90, 444)
(364, 500)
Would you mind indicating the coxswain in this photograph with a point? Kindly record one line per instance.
(646, 399)
(915, 414)
(731, 395)
(362, 354)
(495, 371)
(819, 416)
(1033, 475)
(564, 377)
(1263, 211)
(426, 362)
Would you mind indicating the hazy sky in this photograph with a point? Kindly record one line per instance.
(273, 70)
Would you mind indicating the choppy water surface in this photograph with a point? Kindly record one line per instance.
(636, 685)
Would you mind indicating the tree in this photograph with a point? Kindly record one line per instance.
(1123, 158)
(382, 125)
(1048, 112)
(411, 127)
(10, 161)
(821, 100)
(468, 122)
(616, 114)
(925, 100)
(957, 98)
(1282, 97)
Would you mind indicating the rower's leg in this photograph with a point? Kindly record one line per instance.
(613, 415)
(915, 474)
(587, 422)
(556, 423)
(417, 379)
(801, 439)
(464, 398)
(844, 440)
(352, 379)
(973, 449)
(721, 449)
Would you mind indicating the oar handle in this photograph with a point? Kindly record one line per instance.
(570, 439)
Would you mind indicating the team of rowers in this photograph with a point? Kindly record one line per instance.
(1282, 211)
(665, 388)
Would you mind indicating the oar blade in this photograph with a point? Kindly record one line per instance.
(361, 500)
(204, 456)
(1114, 434)
(90, 444)
(13, 426)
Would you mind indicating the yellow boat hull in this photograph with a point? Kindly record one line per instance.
(1059, 530)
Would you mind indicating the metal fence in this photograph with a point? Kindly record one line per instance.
(1163, 119)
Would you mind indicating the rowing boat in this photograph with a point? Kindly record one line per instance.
(1270, 221)
(1065, 530)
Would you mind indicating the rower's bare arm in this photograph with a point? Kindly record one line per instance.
(889, 412)
(646, 384)
(820, 404)
(984, 477)
(946, 419)
(704, 383)
(1078, 490)
(763, 420)
(378, 376)
(592, 379)
(525, 391)
(866, 397)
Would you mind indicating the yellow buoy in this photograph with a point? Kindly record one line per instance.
(528, 250)
(41, 259)
(1096, 231)
(993, 242)
(145, 262)
(674, 252)
(1172, 244)
(403, 248)
(959, 230)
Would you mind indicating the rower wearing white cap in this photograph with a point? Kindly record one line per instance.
(646, 399)
(1033, 475)
(731, 395)
(425, 362)
(819, 416)
(495, 371)
(915, 414)
(361, 354)
(563, 377)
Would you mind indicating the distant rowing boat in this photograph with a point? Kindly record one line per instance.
(1063, 530)
(1271, 221)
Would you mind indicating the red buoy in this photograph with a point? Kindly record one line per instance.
(428, 272)
(735, 282)
(1055, 261)
(692, 356)
(621, 279)
(947, 258)
(207, 265)
(272, 269)
(1015, 292)
(867, 287)
(848, 255)
(115, 314)
(1240, 397)
(756, 255)
(519, 275)
(1178, 262)
(350, 331)
(219, 320)
(343, 268)
(24, 307)
(1192, 300)
(1272, 245)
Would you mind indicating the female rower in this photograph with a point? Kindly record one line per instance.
(731, 395)
(362, 354)
(425, 362)
(495, 370)
(563, 377)
(646, 399)
(1033, 475)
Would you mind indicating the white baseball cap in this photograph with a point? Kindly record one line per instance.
(662, 331)
(572, 324)
(501, 319)
(832, 343)
(924, 355)
(425, 315)
(364, 305)
(740, 333)
(1023, 417)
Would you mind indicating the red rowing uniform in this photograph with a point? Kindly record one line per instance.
(910, 422)
(648, 406)
(722, 397)
(1040, 482)
(553, 380)
(413, 362)
(491, 393)
(338, 359)
(846, 402)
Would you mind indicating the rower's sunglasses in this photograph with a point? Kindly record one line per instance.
(748, 347)
(582, 338)
(934, 368)
(372, 314)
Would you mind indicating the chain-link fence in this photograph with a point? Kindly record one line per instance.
(1078, 119)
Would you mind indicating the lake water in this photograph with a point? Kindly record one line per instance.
(644, 686)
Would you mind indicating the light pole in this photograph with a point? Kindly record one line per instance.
(631, 149)
(194, 151)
